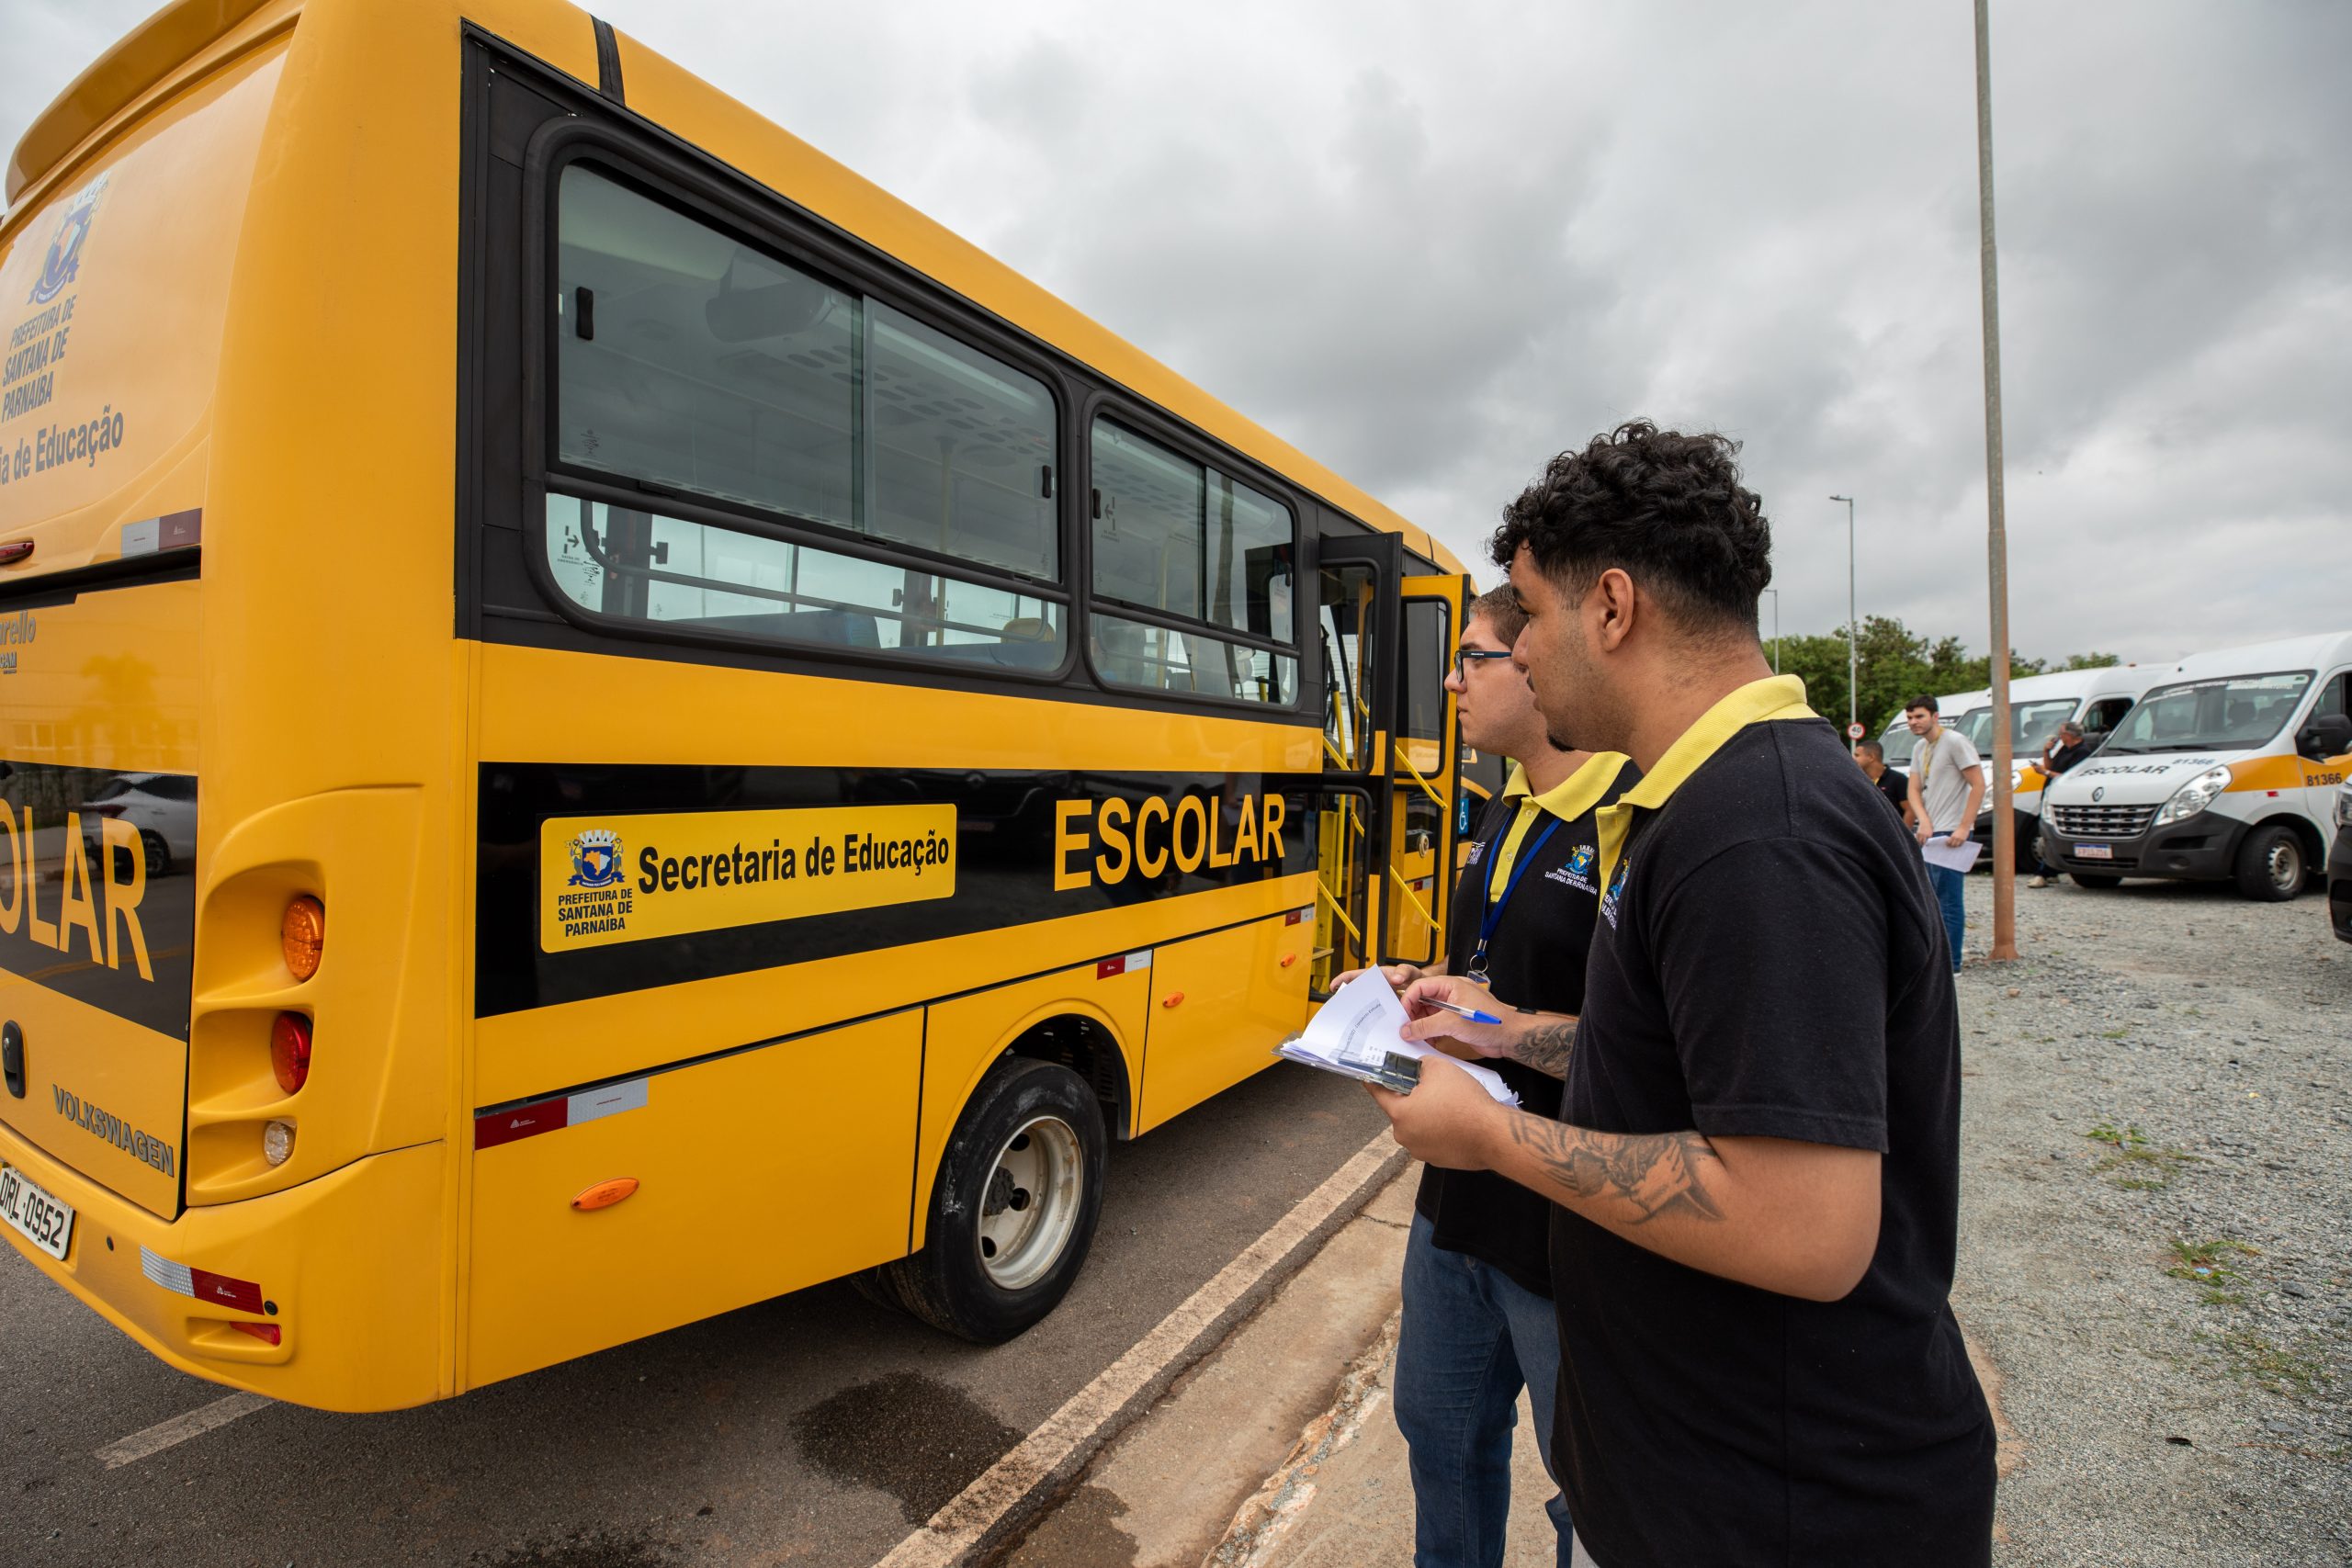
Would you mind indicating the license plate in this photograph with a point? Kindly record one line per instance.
(2094, 852)
(34, 1214)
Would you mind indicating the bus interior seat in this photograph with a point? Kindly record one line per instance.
(840, 628)
(1120, 653)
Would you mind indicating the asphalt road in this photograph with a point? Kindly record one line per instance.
(809, 1429)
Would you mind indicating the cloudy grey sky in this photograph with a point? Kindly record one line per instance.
(1434, 244)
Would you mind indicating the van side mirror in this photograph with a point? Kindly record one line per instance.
(2329, 735)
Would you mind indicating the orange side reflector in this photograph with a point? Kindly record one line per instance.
(604, 1194)
(302, 934)
(1173, 999)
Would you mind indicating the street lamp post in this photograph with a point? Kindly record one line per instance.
(1997, 535)
(1776, 628)
(1853, 631)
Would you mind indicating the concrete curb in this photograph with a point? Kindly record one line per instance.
(995, 1511)
(1262, 1523)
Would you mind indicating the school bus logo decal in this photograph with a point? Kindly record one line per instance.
(707, 870)
(596, 859)
(64, 262)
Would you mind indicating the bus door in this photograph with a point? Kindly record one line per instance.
(1424, 773)
(1356, 623)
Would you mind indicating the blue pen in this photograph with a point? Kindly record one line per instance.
(1472, 1014)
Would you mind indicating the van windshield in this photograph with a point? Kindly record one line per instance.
(2226, 714)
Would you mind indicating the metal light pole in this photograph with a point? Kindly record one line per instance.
(1853, 633)
(1776, 628)
(2005, 822)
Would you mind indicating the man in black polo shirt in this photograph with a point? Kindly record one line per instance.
(1478, 1322)
(1756, 1167)
(2061, 752)
(1892, 782)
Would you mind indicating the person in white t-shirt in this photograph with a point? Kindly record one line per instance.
(1947, 786)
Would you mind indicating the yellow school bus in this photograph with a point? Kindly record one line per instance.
(602, 722)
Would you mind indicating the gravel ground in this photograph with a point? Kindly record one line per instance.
(2156, 1202)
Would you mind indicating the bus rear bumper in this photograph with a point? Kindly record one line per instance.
(347, 1270)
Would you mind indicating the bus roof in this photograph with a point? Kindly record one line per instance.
(148, 56)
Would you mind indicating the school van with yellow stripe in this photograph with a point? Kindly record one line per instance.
(2225, 769)
(600, 721)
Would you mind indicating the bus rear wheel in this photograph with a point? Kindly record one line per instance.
(2270, 866)
(1013, 1210)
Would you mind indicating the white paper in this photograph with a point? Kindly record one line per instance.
(1361, 1025)
(1938, 851)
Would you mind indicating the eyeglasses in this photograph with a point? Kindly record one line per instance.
(1463, 656)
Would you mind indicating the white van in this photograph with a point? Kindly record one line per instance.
(2096, 699)
(2226, 767)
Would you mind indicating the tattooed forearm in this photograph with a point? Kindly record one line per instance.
(1652, 1173)
(1545, 1047)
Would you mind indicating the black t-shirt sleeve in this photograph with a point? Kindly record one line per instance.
(1772, 957)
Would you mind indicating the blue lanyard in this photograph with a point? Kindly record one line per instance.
(1493, 915)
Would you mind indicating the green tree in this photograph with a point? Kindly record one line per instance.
(1895, 664)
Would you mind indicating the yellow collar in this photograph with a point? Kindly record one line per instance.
(1576, 793)
(1774, 697)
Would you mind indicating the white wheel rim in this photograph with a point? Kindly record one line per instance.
(1029, 1203)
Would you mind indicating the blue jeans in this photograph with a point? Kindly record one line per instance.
(1951, 899)
(1470, 1339)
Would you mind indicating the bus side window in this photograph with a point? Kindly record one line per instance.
(1173, 537)
(717, 370)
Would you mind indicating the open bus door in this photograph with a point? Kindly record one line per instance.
(1424, 780)
(1357, 577)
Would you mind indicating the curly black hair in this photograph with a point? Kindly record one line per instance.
(1666, 508)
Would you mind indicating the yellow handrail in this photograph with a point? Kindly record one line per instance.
(1419, 908)
(1427, 788)
(1324, 894)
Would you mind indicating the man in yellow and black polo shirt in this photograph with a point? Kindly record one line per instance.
(1478, 1322)
(1755, 1166)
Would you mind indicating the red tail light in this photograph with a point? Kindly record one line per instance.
(267, 1333)
(290, 1050)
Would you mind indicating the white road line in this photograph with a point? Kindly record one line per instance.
(179, 1429)
(965, 1521)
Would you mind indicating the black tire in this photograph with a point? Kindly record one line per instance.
(2089, 879)
(2271, 866)
(1026, 1116)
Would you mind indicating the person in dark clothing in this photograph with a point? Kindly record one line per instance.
(2061, 751)
(1756, 1167)
(1477, 1323)
(1892, 782)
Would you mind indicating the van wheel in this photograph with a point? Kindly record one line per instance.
(1013, 1210)
(158, 853)
(2091, 879)
(2270, 866)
